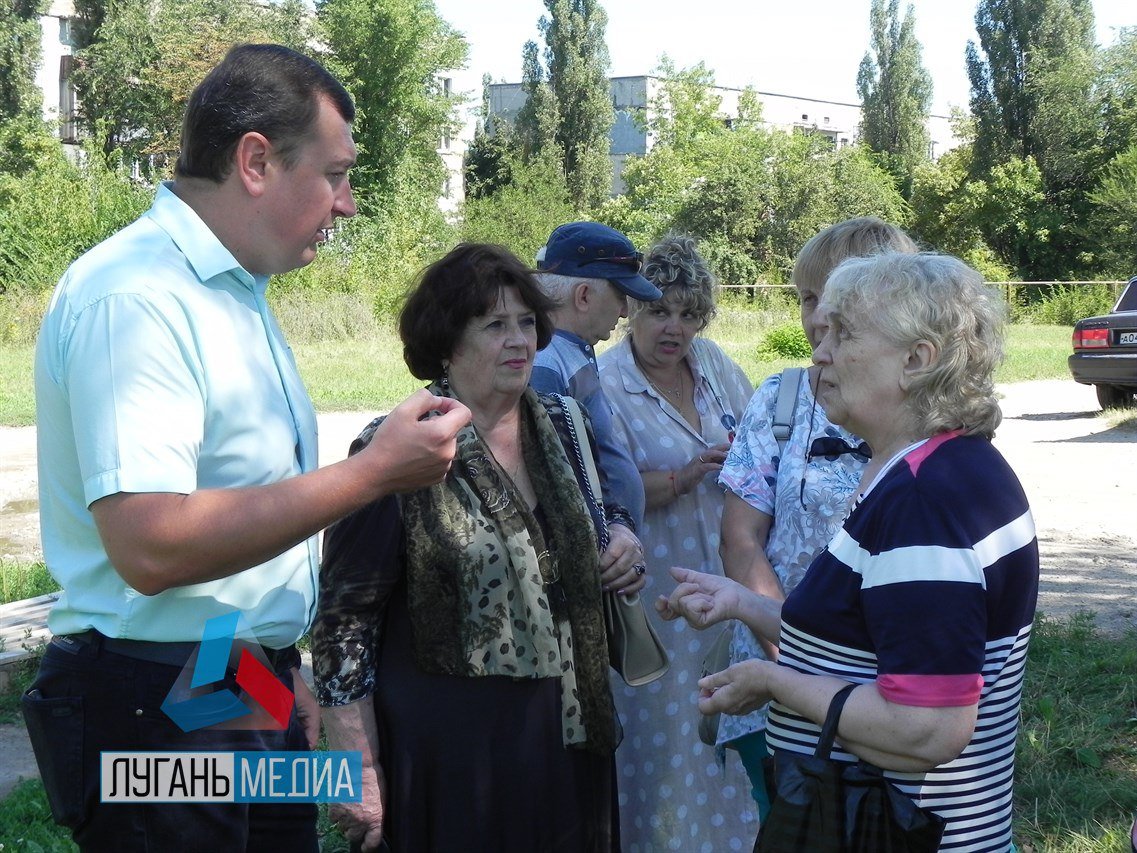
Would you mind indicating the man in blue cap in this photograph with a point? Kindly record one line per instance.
(589, 270)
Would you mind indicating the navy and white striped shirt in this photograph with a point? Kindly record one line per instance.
(929, 591)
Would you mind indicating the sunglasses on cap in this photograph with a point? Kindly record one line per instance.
(634, 261)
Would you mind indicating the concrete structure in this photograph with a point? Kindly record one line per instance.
(452, 150)
(633, 97)
(54, 74)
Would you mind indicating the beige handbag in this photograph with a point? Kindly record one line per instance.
(634, 649)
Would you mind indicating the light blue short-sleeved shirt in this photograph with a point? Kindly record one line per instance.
(159, 368)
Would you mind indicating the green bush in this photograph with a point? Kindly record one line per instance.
(376, 256)
(20, 315)
(55, 211)
(1066, 304)
(786, 341)
(19, 580)
(522, 213)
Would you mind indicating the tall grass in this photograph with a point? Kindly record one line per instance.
(20, 580)
(1035, 352)
(17, 396)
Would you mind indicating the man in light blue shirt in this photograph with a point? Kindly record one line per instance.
(177, 454)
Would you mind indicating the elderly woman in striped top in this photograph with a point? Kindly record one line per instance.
(924, 599)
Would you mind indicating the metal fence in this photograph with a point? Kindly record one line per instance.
(1008, 287)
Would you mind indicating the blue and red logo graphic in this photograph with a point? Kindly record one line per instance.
(201, 697)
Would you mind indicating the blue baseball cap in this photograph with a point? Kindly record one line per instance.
(592, 250)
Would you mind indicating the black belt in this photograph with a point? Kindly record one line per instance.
(170, 654)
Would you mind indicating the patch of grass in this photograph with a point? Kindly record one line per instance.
(320, 316)
(351, 362)
(26, 825)
(20, 580)
(356, 375)
(740, 329)
(1035, 352)
(1123, 420)
(1076, 775)
(20, 315)
(17, 395)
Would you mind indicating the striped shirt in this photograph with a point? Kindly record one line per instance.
(929, 591)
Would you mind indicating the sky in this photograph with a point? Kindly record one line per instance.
(806, 48)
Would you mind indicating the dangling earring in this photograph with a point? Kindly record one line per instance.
(444, 380)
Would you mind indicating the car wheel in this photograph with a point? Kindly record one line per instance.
(1114, 396)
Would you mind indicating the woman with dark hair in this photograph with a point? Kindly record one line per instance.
(459, 641)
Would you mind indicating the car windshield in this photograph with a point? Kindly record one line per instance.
(1128, 300)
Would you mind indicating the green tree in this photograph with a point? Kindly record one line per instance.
(142, 58)
(1032, 99)
(685, 122)
(685, 109)
(19, 58)
(390, 54)
(1000, 223)
(536, 130)
(753, 195)
(1113, 220)
(576, 57)
(896, 92)
(1117, 93)
(1031, 88)
(522, 212)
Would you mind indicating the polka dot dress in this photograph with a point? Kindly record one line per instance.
(674, 793)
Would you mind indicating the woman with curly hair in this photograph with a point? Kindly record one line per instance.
(676, 398)
(922, 604)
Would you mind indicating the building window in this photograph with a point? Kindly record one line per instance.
(447, 89)
(66, 32)
(67, 129)
(804, 117)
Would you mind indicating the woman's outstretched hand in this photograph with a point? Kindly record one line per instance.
(702, 599)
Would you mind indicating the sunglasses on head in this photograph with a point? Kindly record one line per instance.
(635, 261)
(830, 447)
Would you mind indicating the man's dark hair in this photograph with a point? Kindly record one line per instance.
(262, 88)
(464, 284)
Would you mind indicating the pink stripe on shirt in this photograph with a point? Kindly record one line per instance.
(931, 691)
(917, 456)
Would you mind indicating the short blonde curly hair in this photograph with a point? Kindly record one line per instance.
(675, 266)
(939, 299)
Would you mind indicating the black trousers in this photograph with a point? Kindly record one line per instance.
(86, 700)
